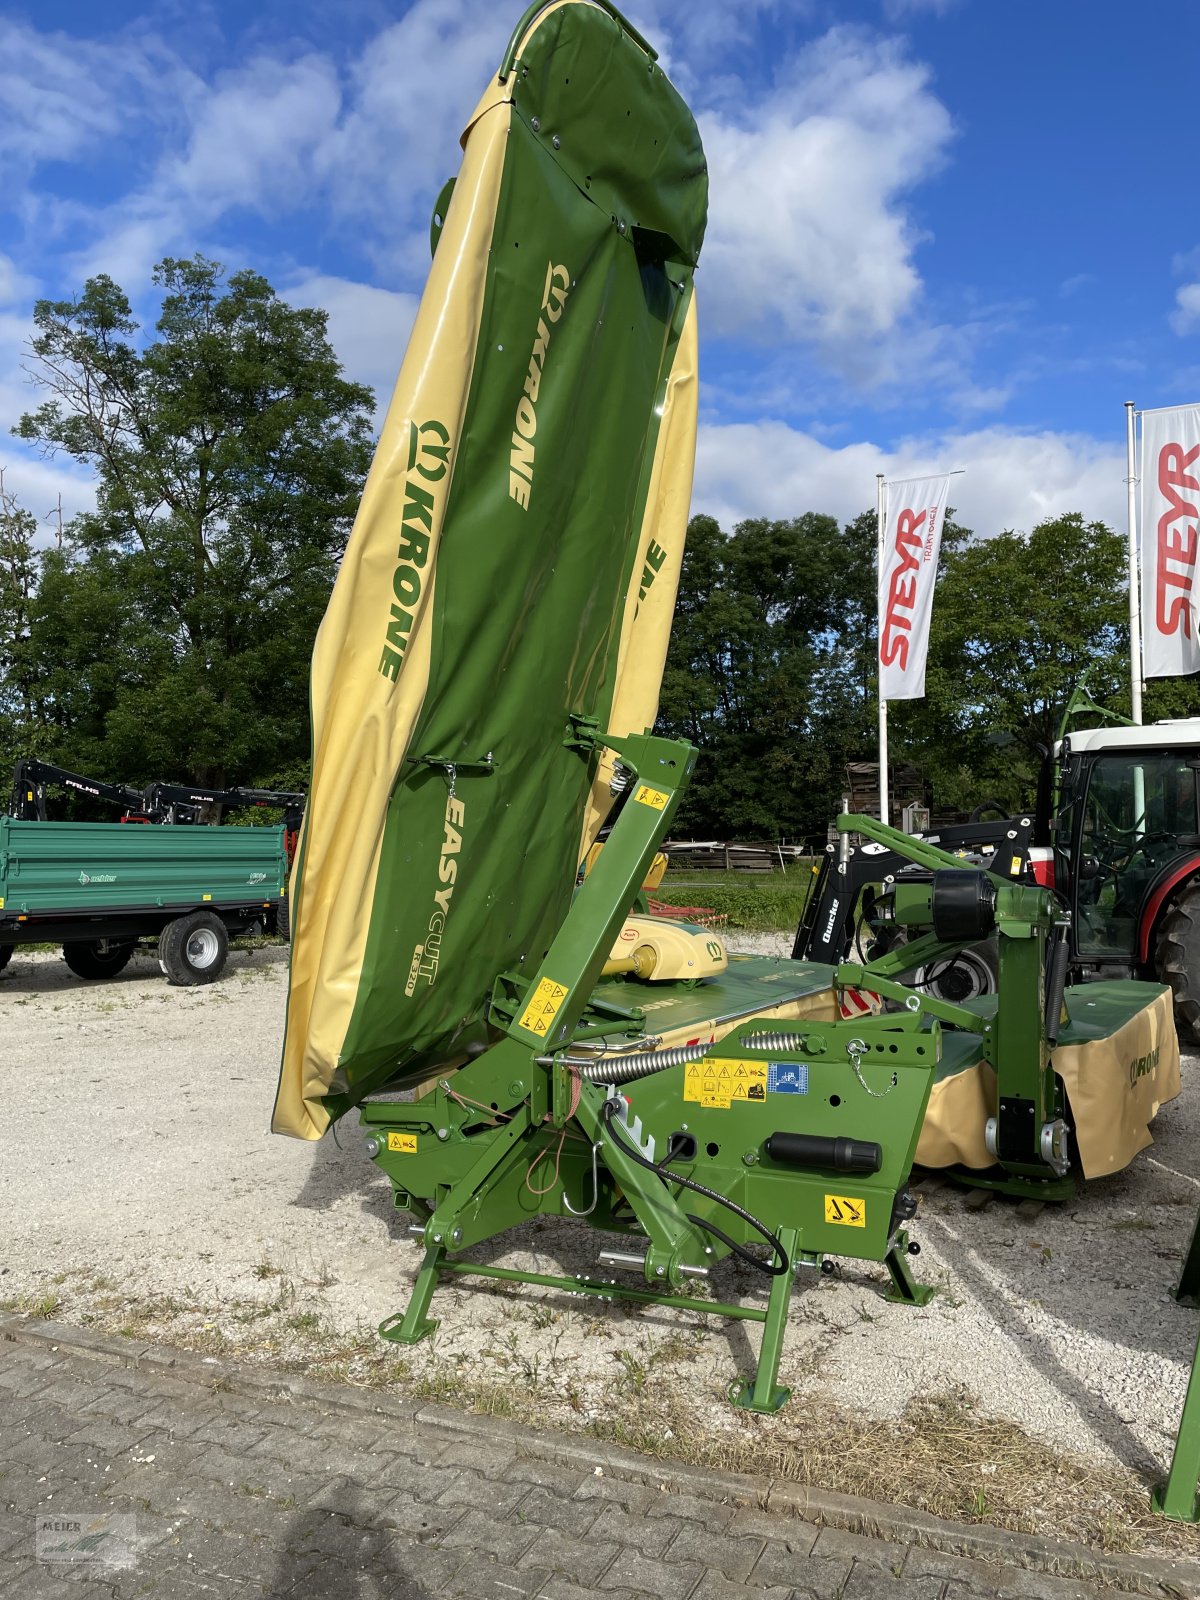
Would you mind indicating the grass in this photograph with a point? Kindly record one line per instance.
(760, 902)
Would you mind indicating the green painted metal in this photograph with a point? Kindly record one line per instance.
(521, 1131)
(604, 176)
(1177, 1498)
(89, 868)
(1012, 1029)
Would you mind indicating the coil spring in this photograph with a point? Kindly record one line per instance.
(624, 1069)
(783, 1042)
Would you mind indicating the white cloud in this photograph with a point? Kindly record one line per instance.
(808, 235)
(255, 136)
(898, 10)
(1012, 480)
(38, 485)
(1186, 316)
(61, 97)
(368, 327)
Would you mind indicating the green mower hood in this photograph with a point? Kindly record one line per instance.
(512, 570)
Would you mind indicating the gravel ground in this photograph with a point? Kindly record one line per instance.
(140, 1188)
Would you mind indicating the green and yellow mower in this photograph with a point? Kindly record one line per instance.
(482, 689)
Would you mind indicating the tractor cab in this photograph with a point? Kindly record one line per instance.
(1126, 839)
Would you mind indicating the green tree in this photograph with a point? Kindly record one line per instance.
(1018, 623)
(173, 635)
(19, 571)
(759, 677)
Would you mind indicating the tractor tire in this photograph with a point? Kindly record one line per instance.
(965, 976)
(1177, 957)
(6, 952)
(192, 949)
(98, 958)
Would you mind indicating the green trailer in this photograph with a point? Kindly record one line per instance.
(101, 888)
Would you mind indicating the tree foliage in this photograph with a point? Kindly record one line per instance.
(173, 634)
(168, 635)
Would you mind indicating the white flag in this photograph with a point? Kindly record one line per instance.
(1170, 514)
(912, 539)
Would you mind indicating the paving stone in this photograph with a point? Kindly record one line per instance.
(231, 1433)
(836, 1543)
(353, 1434)
(583, 1560)
(1016, 1584)
(773, 1525)
(869, 1582)
(113, 1438)
(36, 1583)
(120, 1405)
(665, 1580)
(170, 1418)
(710, 1513)
(796, 1568)
(498, 1499)
(429, 1567)
(418, 1518)
(555, 1511)
(631, 1497)
(558, 1588)
(980, 1577)
(714, 1587)
(22, 1382)
(734, 1557)
(638, 1533)
(546, 1475)
(507, 1541)
(488, 1580)
(478, 1456)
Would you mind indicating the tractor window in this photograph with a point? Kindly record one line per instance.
(1137, 810)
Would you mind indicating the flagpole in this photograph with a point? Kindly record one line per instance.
(883, 737)
(1135, 610)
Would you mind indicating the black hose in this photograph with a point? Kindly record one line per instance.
(773, 1269)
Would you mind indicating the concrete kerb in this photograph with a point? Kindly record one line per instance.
(1177, 1579)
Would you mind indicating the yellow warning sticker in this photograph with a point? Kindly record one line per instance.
(717, 1084)
(846, 1211)
(1015, 870)
(655, 798)
(544, 1005)
(406, 1143)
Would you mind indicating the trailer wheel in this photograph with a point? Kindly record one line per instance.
(98, 958)
(6, 951)
(192, 949)
(283, 919)
(1177, 956)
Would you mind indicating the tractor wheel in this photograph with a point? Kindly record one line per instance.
(98, 958)
(6, 951)
(192, 949)
(964, 976)
(1177, 957)
(283, 919)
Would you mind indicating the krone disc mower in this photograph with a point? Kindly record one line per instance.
(483, 683)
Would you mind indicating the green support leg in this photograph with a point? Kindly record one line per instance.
(412, 1325)
(1177, 1497)
(762, 1395)
(905, 1290)
(1188, 1292)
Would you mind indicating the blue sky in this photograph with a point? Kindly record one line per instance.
(942, 233)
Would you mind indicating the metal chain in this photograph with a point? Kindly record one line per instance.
(856, 1049)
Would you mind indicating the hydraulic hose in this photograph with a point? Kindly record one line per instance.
(773, 1269)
